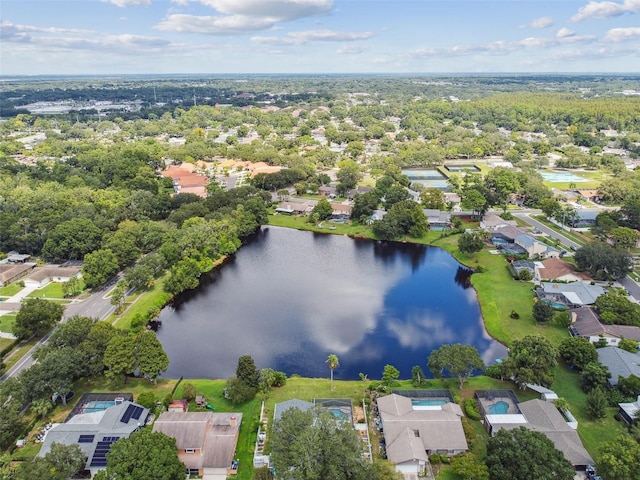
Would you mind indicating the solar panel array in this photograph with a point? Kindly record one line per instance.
(99, 458)
(86, 438)
(132, 411)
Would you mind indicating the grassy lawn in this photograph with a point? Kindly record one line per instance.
(19, 352)
(10, 290)
(300, 223)
(7, 321)
(141, 303)
(592, 433)
(499, 294)
(51, 290)
(594, 179)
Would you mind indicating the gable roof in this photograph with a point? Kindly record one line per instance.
(215, 434)
(620, 363)
(545, 418)
(585, 323)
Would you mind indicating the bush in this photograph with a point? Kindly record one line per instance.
(189, 391)
(147, 400)
(471, 410)
(514, 314)
(279, 379)
(481, 269)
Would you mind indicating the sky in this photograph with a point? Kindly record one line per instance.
(97, 37)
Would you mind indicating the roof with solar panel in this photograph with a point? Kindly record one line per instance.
(95, 432)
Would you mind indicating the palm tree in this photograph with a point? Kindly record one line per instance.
(333, 362)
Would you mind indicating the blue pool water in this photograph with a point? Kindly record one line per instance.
(428, 403)
(339, 414)
(97, 406)
(499, 408)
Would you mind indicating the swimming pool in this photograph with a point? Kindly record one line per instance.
(499, 408)
(428, 403)
(339, 414)
(97, 406)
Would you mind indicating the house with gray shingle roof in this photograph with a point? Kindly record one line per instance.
(411, 435)
(619, 362)
(535, 248)
(95, 431)
(576, 294)
(282, 407)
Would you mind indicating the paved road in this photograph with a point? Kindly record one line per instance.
(631, 286)
(526, 217)
(96, 306)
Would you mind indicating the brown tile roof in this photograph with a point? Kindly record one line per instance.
(435, 429)
(215, 434)
(42, 273)
(555, 268)
(9, 271)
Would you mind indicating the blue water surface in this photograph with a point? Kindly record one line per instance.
(290, 298)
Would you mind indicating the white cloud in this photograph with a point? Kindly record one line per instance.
(606, 9)
(565, 32)
(502, 47)
(243, 16)
(231, 25)
(542, 22)
(129, 3)
(616, 35)
(300, 38)
(11, 32)
(283, 10)
(350, 49)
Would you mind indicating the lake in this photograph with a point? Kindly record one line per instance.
(290, 298)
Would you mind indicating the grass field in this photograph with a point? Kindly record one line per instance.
(51, 290)
(7, 321)
(10, 290)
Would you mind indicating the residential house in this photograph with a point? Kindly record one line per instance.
(282, 407)
(507, 233)
(95, 431)
(437, 219)
(537, 415)
(621, 364)
(585, 218)
(206, 441)
(520, 265)
(573, 295)
(341, 210)
(629, 411)
(585, 323)
(42, 276)
(10, 272)
(412, 434)
(328, 191)
(557, 270)
(590, 195)
(491, 222)
(535, 248)
(453, 200)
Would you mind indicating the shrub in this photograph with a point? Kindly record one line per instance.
(279, 379)
(189, 391)
(147, 400)
(471, 409)
(514, 314)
